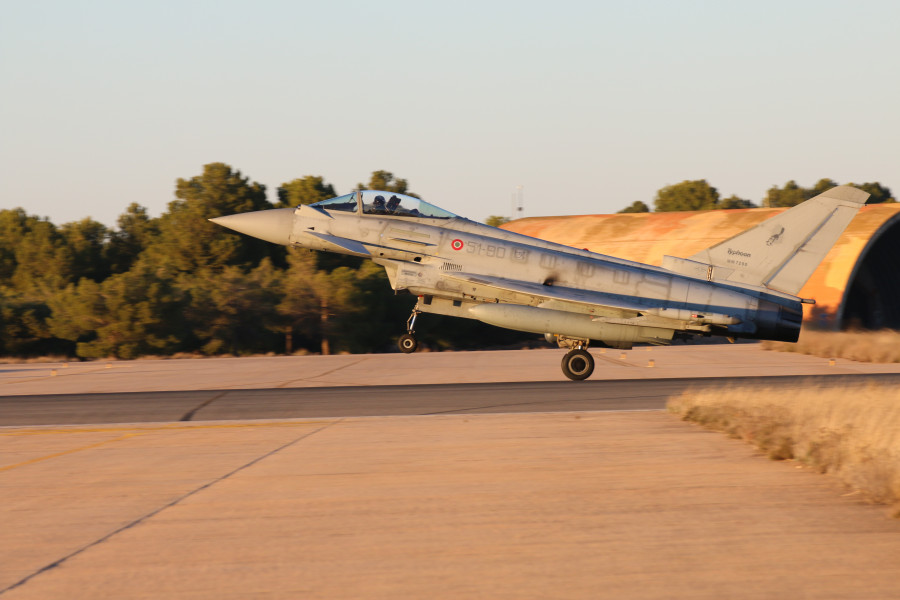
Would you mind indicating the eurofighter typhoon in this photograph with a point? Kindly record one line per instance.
(744, 287)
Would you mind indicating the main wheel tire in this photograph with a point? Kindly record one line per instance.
(407, 343)
(578, 365)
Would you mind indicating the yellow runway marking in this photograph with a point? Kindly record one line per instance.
(136, 431)
(43, 377)
(171, 427)
(65, 452)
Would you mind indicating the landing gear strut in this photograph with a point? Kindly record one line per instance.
(407, 342)
(577, 364)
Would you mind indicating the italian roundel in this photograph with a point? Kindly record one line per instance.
(456, 244)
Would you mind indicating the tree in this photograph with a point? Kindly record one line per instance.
(878, 193)
(14, 224)
(792, 194)
(636, 207)
(306, 190)
(234, 311)
(23, 326)
(34, 264)
(315, 299)
(687, 195)
(299, 306)
(385, 180)
(822, 186)
(366, 312)
(339, 297)
(127, 315)
(135, 233)
(496, 220)
(789, 195)
(341, 309)
(734, 202)
(86, 242)
(41, 258)
(188, 242)
(32, 251)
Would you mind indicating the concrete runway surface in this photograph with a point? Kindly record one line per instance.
(539, 488)
(395, 400)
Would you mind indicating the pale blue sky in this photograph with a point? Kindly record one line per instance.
(588, 105)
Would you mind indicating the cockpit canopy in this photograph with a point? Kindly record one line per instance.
(388, 204)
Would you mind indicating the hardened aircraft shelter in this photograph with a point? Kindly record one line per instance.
(857, 285)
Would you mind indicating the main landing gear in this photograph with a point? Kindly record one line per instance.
(577, 364)
(407, 342)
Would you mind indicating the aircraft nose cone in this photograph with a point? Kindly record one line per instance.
(274, 225)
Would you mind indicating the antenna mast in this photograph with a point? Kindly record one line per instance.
(518, 203)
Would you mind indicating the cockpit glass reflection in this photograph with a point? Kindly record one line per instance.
(400, 205)
(346, 203)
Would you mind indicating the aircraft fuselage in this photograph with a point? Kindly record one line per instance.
(743, 287)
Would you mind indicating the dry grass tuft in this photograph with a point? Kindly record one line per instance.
(850, 432)
(862, 346)
(13, 360)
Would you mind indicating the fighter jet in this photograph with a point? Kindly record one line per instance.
(743, 287)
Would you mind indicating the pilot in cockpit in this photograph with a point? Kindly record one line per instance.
(378, 205)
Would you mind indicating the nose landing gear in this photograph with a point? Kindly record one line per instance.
(407, 342)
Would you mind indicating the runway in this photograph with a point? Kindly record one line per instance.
(394, 400)
(451, 475)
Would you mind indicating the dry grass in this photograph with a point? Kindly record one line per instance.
(850, 432)
(862, 346)
(13, 360)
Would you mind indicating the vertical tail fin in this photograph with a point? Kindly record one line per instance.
(782, 252)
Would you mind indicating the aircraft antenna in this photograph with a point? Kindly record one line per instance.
(518, 203)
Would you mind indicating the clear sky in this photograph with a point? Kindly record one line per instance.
(588, 105)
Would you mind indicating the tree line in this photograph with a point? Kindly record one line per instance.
(700, 195)
(180, 284)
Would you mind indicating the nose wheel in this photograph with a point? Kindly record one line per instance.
(407, 342)
(578, 364)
